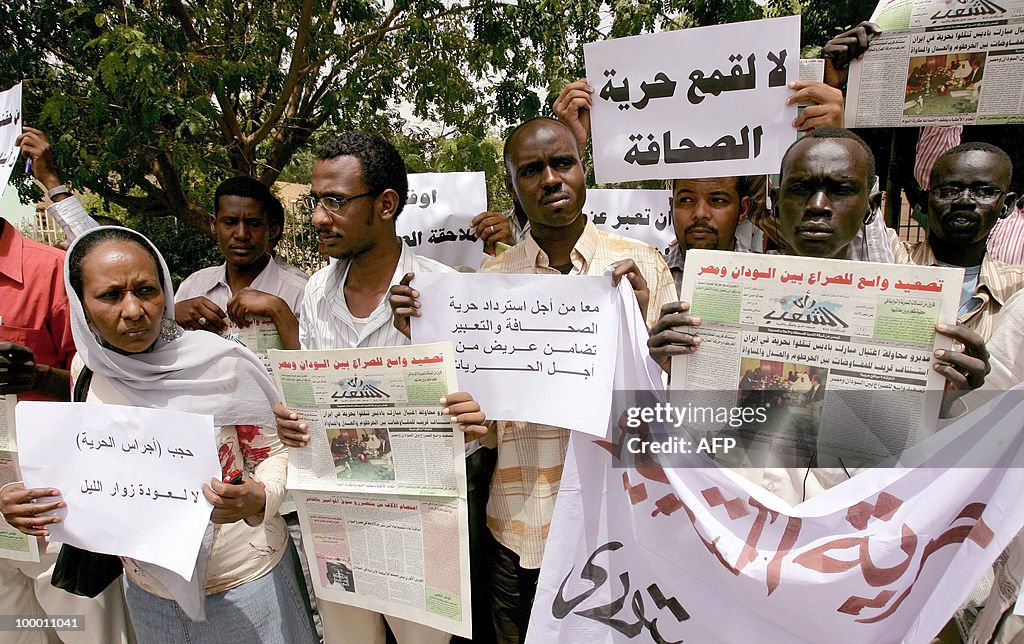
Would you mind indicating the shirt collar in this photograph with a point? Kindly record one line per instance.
(11, 245)
(1000, 291)
(582, 253)
(335, 286)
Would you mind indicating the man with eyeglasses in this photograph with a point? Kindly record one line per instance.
(359, 188)
(968, 195)
(249, 283)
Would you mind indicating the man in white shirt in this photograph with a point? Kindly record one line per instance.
(249, 283)
(359, 188)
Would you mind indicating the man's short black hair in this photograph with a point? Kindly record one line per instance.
(383, 167)
(506, 151)
(245, 186)
(832, 133)
(978, 146)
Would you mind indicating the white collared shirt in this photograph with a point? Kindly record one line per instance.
(212, 283)
(326, 321)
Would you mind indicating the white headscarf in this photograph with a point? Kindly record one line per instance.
(192, 371)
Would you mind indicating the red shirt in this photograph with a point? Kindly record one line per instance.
(33, 303)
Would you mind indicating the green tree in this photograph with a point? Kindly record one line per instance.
(152, 103)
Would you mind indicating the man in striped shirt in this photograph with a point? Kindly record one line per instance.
(359, 187)
(968, 194)
(543, 161)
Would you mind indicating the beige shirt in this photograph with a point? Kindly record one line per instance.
(531, 456)
(241, 552)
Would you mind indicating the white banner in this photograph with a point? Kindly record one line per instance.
(643, 215)
(10, 130)
(657, 117)
(435, 220)
(698, 554)
(132, 477)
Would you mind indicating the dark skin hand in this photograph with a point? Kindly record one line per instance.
(492, 227)
(22, 510)
(232, 502)
(674, 334)
(19, 373)
(845, 48)
(964, 370)
(627, 268)
(188, 312)
(404, 301)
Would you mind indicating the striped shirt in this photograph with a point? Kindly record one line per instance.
(932, 142)
(326, 322)
(996, 283)
(531, 456)
(1006, 241)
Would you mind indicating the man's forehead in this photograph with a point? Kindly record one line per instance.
(540, 138)
(971, 161)
(844, 156)
(236, 205)
(345, 169)
(708, 184)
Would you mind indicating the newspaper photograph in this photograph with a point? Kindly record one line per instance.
(374, 419)
(940, 63)
(14, 544)
(398, 555)
(815, 355)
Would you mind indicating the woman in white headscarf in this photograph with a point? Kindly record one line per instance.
(123, 323)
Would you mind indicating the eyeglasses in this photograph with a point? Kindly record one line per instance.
(977, 193)
(331, 203)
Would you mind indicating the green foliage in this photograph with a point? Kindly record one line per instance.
(150, 104)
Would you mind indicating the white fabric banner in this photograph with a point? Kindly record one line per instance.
(694, 553)
(657, 117)
(435, 220)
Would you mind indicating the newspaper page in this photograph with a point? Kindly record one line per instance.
(14, 544)
(940, 62)
(259, 337)
(398, 555)
(381, 486)
(815, 355)
(374, 419)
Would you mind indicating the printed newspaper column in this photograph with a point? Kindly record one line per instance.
(644, 215)
(132, 477)
(940, 63)
(656, 117)
(381, 486)
(10, 130)
(825, 356)
(528, 334)
(259, 337)
(437, 215)
(14, 544)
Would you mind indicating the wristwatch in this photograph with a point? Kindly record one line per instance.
(57, 190)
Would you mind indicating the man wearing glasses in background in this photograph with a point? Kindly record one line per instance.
(969, 194)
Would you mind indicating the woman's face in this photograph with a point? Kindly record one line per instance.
(121, 295)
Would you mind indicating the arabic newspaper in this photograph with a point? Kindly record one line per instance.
(940, 63)
(14, 544)
(259, 337)
(381, 487)
(834, 356)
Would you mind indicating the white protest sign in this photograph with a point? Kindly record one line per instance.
(643, 215)
(14, 544)
(435, 220)
(657, 117)
(132, 477)
(527, 344)
(638, 551)
(10, 130)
